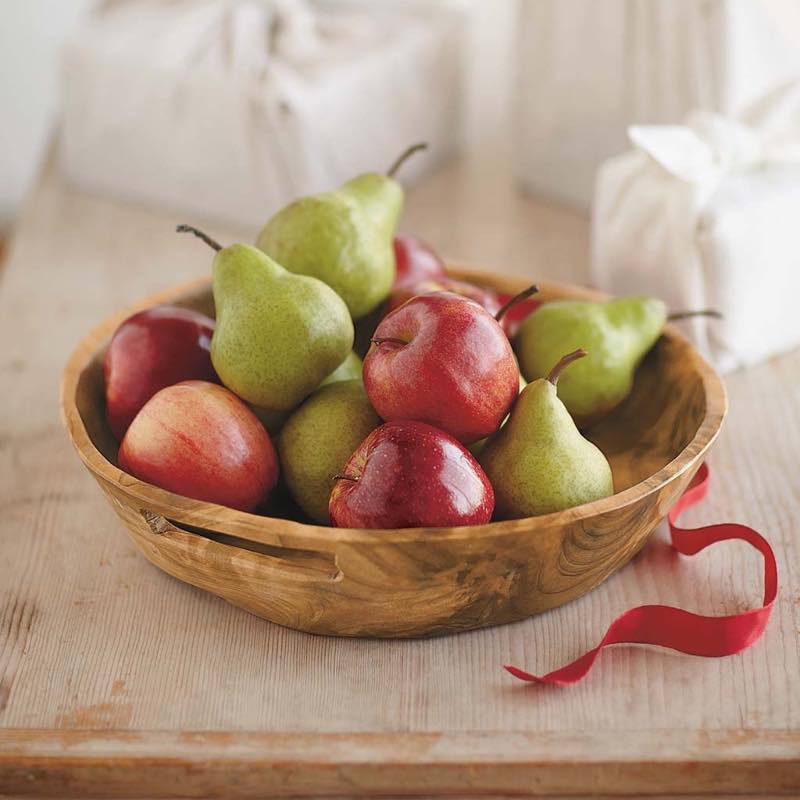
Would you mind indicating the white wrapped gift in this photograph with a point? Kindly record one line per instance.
(229, 109)
(586, 70)
(707, 215)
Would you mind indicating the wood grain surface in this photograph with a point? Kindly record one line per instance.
(94, 638)
(284, 765)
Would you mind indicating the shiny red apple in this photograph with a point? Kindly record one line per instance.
(408, 475)
(415, 260)
(485, 297)
(200, 440)
(442, 359)
(149, 351)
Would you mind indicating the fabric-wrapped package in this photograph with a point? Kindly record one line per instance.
(707, 215)
(586, 70)
(229, 109)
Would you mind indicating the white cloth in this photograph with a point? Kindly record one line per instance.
(587, 70)
(229, 109)
(707, 215)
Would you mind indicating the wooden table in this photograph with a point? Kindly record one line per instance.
(117, 680)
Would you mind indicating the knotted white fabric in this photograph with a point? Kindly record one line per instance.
(587, 70)
(231, 108)
(707, 214)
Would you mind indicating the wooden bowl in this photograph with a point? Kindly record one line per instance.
(414, 582)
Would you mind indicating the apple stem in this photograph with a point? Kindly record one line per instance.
(200, 235)
(565, 361)
(379, 340)
(703, 312)
(517, 298)
(345, 478)
(404, 156)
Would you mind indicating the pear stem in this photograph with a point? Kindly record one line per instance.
(379, 340)
(517, 298)
(200, 235)
(404, 156)
(703, 312)
(565, 361)
(345, 478)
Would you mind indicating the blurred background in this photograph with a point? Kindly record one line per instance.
(224, 110)
(40, 84)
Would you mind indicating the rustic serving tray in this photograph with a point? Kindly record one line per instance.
(414, 582)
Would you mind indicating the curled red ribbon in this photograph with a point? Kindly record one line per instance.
(673, 627)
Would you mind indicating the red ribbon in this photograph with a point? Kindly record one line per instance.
(673, 627)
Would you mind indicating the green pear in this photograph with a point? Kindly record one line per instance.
(538, 462)
(344, 237)
(617, 334)
(272, 420)
(319, 438)
(277, 335)
(350, 369)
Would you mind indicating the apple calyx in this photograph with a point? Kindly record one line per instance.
(702, 312)
(563, 362)
(404, 156)
(353, 478)
(214, 245)
(379, 340)
(517, 298)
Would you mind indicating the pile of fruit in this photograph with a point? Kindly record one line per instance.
(438, 428)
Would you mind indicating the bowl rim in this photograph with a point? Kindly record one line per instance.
(216, 517)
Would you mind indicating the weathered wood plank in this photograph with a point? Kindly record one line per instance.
(250, 765)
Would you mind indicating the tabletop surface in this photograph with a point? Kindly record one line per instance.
(95, 638)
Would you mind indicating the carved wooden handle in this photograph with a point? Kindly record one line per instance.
(291, 562)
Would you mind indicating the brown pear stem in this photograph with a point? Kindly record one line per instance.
(345, 478)
(404, 156)
(517, 298)
(200, 235)
(379, 340)
(564, 361)
(703, 312)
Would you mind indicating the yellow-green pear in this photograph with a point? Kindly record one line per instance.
(271, 420)
(344, 237)
(617, 335)
(317, 440)
(538, 462)
(277, 335)
(350, 369)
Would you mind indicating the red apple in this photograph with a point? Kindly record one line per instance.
(415, 260)
(151, 350)
(442, 359)
(485, 297)
(200, 440)
(408, 475)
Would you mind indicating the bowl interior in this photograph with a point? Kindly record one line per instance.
(654, 424)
